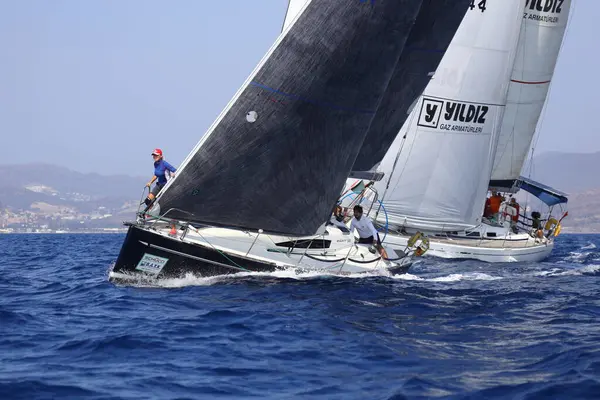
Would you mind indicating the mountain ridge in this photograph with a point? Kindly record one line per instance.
(87, 192)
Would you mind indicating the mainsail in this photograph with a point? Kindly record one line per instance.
(278, 155)
(543, 28)
(434, 28)
(439, 165)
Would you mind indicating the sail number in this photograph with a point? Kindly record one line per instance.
(480, 5)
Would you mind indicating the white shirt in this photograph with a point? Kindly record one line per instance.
(337, 223)
(364, 227)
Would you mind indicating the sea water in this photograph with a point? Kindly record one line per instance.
(447, 330)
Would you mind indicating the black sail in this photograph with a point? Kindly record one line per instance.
(429, 39)
(278, 156)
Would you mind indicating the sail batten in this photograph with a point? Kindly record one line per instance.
(439, 179)
(277, 157)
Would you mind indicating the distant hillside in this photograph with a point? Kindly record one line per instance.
(53, 193)
(584, 212)
(24, 187)
(65, 180)
(569, 172)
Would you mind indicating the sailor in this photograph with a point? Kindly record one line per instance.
(513, 203)
(160, 176)
(511, 213)
(367, 233)
(536, 225)
(495, 202)
(337, 219)
(487, 210)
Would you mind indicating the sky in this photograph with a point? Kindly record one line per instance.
(96, 85)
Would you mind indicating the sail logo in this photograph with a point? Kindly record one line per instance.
(547, 6)
(543, 10)
(453, 115)
(431, 110)
(151, 264)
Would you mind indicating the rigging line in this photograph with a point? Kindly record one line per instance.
(410, 123)
(285, 16)
(161, 218)
(544, 110)
(510, 140)
(217, 250)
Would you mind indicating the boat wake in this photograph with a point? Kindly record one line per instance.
(468, 276)
(591, 269)
(283, 274)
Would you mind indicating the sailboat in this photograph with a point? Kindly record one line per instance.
(488, 89)
(257, 191)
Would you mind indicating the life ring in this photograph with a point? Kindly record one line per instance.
(553, 227)
(422, 248)
(551, 224)
(557, 230)
(413, 239)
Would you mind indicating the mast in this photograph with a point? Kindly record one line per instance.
(543, 29)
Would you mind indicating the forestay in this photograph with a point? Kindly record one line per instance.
(438, 176)
(278, 155)
(543, 28)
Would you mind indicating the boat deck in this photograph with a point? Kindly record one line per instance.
(489, 243)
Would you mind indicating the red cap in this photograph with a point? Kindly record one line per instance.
(157, 152)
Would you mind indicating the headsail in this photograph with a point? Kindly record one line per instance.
(543, 28)
(434, 28)
(293, 10)
(277, 157)
(438, 176)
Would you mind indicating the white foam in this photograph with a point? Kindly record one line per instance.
(589, 247)
(546, 273)
(474, 276)
(588, 269)
(576, 257)
(289, 273)
(408, 277)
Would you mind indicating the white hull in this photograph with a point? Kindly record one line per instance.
(489, 243)
(151, 250)
(265, 249)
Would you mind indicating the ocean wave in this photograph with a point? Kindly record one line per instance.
(448, 329)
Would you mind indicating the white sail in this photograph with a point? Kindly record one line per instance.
(293, 10)
(543, 28)
(437, 177)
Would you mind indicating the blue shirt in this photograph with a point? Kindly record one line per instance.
(160, 167)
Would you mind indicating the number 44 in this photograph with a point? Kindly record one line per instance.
(480, 5)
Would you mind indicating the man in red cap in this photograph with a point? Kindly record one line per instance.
(160, 169)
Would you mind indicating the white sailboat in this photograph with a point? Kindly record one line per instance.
(257, 191)
(486, 95)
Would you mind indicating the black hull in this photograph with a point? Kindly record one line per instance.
(181, 258)
(173, 258)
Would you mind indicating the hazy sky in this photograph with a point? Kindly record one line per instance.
(95, 85)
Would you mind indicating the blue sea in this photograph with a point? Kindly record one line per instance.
(447, 330)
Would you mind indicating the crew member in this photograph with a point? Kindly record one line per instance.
(160, 176)
(338, 219)
(495, 202)
(367, 234)
(513, 203)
